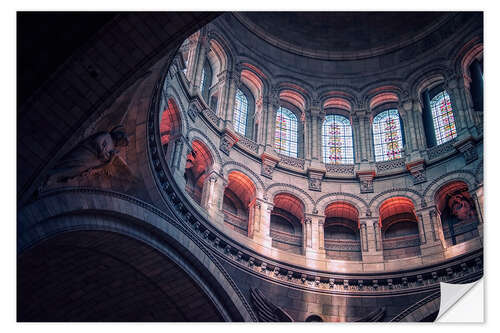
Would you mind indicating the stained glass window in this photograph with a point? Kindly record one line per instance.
(285, 139)
(387, 136)
(337, 140)
(442, 118)
(240, 112)
(206, 80)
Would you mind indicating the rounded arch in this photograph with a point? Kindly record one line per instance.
(426, 79)
(293, 97)
(337, 103)
(396, 205)
(306, 199)
(170, 122)
(331, 198)
(140, 221)
(413, 195)
(230, 166)
(471, 50)
(257, 69)
(172, 94)
(290, 203)
(200, 136)
(345, 92)
(314, 318)
(224, 48)
(242, 186)
(440, 198)
(466, 176)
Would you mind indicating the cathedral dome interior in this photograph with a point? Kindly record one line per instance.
(254, 166)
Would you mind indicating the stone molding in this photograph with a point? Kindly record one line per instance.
(227, 141)
(366, 180)
(417, 170)
(268, 164)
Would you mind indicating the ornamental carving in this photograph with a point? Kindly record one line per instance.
(417, 170)
(366, 185)
(389, 165)
(227, 141)
(469, 151)
(347, 169)
(315, 184)
(249, 144)
(441, 150)
(292, 161)
(211, 117)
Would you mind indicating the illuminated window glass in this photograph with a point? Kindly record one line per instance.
(206, 80)
(285, 139)
(442, 118)
(240, 112)
(337, 140)
(387, 136)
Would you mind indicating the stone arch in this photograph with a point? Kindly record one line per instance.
(413, 195)
(229, 166)
(205, 139)
(376, 91)
(426, 78)
(465, 176)
(420, 310)
(276, 188)
(140, 221)
(259, 70)
(171, 93)
(330, 198)
(296, 85)
(464, 54)
(225, 46)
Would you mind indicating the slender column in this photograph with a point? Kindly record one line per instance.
(212, 195)
(272, 107)
(191, 60)
(262, 223)
(419, 125)
(316, 116)
(321, 230)
(233, 82)
(372, 250)
(308, 133)
(405, 108)
(357, 138)
(202, 50)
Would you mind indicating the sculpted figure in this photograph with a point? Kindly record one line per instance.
(460, 207)
(90, 155)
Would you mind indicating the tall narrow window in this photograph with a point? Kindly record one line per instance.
(337, 140)
(442, 118)
(387, 137)
(206, 80)
(240, 112)
(286, 138)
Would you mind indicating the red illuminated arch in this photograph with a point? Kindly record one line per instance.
(170, 122)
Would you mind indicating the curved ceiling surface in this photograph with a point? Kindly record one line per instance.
(331, 35)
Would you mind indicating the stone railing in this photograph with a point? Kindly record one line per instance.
(235, 220)
(248, 144)
(292, 161)
(461, 229)
(390, 165)
(342, 245)
(401, 242)
(211, 117)
(340, 169)
(286, 238)
(441, 150)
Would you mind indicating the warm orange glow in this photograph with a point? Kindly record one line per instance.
(342, 210)
(447, 190)
(383, 98)
(395, 206)
(337, 102)
(241, 186)
(170, 124)
(290, 203)
(294, 98)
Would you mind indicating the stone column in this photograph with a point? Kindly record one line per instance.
(272, 108)
(371, 244)
(191, 60)
(314, 236)
(477, 197)
(201, 54)
(261, 223)
(357, 138)
(406, 109)
(418, 123)
(431, 243)
(317, 116)
(212, 196)
(227, 106)
(455, 86)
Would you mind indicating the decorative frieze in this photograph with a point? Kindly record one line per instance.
(441, 150)
(227, 141)
(417, 170)
(292, 161)
(340, 169)
(390, 165)
(211, 117)
(248, 144)
(268, 163)
(366, 181)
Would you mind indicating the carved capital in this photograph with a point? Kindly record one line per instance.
(227, 141)
(268, 163)
(315, 177)
(468, 149)
(366, 180)
(417, 170)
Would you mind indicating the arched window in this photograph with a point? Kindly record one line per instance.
(286, 138)
(442, 118)
(206, 80)
(337, 140)
(240, 112)
(387, 136)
